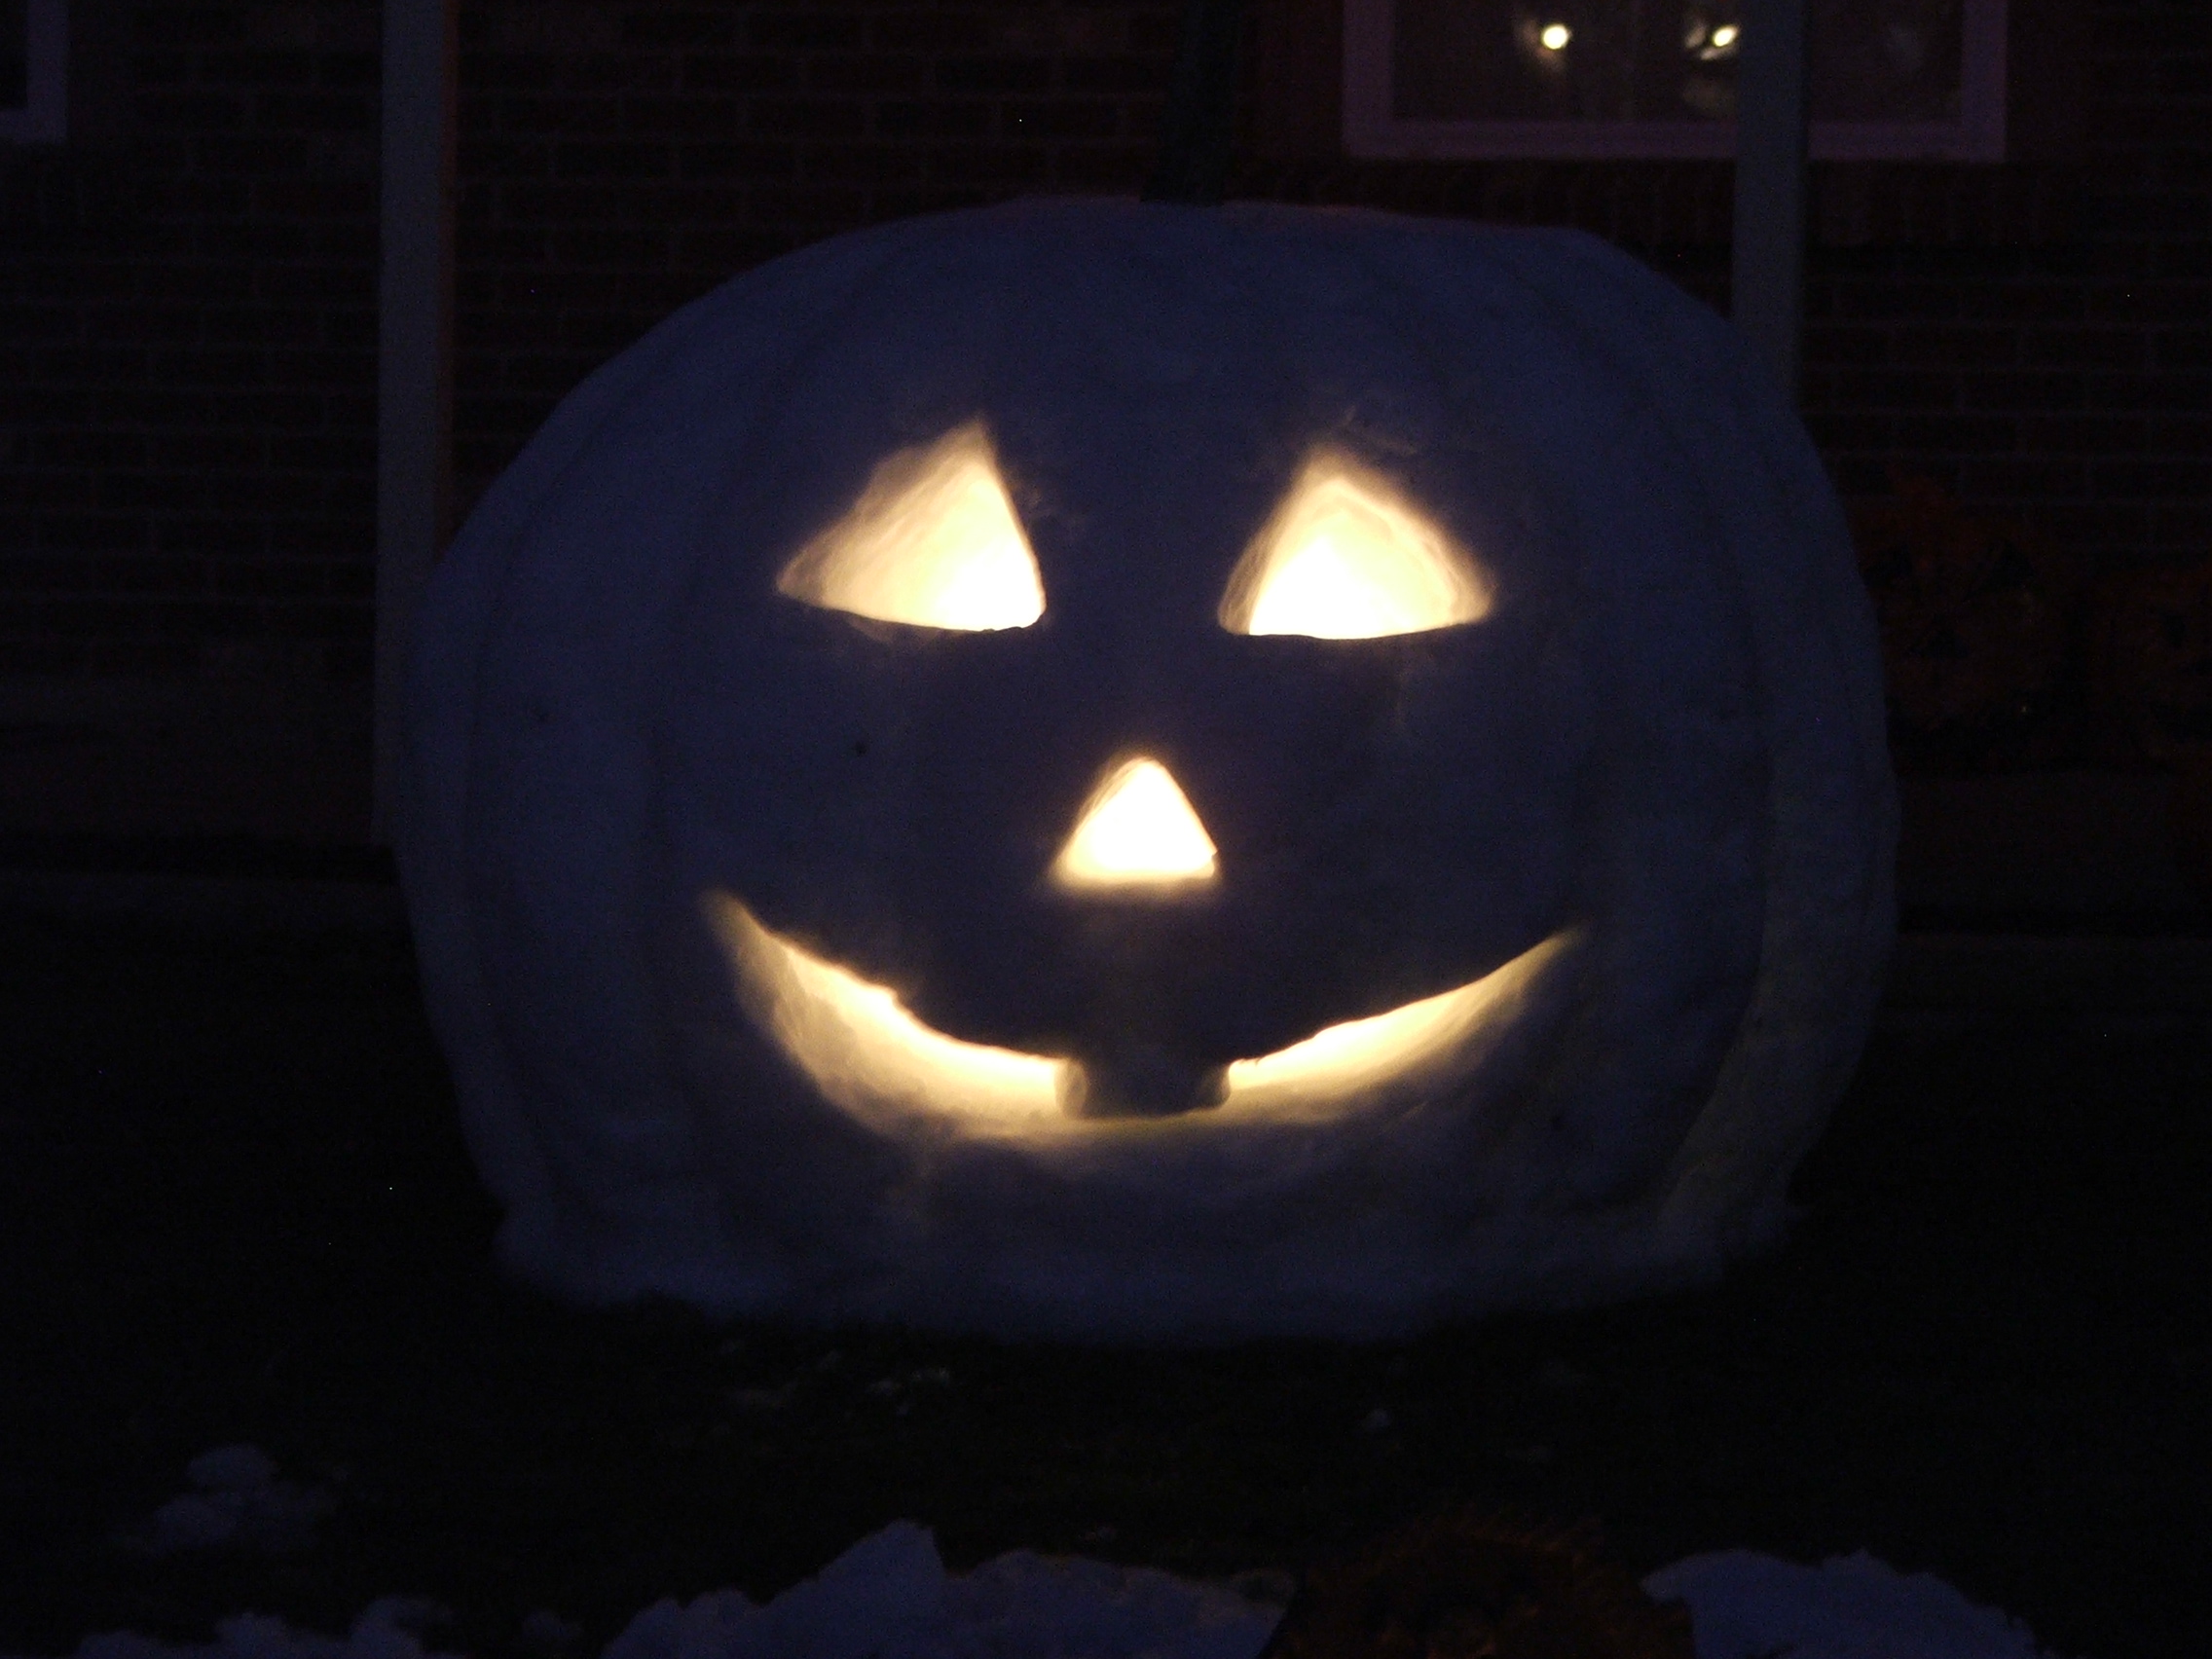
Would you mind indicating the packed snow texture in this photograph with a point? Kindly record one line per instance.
(1666, 733)
(889, 1596)
(239, 1501)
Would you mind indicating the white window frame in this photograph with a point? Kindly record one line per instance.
(43, 117)
(1371, 131)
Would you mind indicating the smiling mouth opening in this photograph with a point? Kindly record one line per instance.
(863, 1051)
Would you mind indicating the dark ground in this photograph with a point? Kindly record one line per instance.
(234, 1206)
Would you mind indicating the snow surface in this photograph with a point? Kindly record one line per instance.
(889, 1596)
(1668, 729)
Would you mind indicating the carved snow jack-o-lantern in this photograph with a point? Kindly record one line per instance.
(1146, 771)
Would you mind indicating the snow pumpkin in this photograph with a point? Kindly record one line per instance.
(1153, 772)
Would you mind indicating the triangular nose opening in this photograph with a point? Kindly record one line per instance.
(1137, 833)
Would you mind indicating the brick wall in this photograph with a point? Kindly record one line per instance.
(2057, 357)
(618, 160)
(187, 289)
(188, 351)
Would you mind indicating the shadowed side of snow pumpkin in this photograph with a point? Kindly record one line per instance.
(1155, 772)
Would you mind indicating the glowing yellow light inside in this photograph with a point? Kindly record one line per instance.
(861, 1048)
(1416, 1039)
(866, 1054)
(1724, 36)
(1555, 37)
(933, 541)
(1346, 558)
(1137, 830)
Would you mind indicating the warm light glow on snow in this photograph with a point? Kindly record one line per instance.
(933, 541)
(1346, 558)
(860, 1047)
(865, 1052)
(1137, 832)
(1417, 1039)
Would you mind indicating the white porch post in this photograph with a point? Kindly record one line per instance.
(1769, 253)
(414, 331)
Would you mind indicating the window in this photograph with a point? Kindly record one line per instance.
(1903, 79)
(33, 48)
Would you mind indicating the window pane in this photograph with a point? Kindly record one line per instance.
(1883, 61)
(15, 62)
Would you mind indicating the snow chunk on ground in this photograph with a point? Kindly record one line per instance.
(380, 1633)
(889, 1596)
(1743, 1606)
(241, 1504)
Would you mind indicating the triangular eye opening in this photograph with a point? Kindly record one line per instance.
(1346, 556)
(933, 543)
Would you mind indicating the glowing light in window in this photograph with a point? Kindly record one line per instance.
(1346, 558)
(1138, 830)
(933, 541)
(1555, 36)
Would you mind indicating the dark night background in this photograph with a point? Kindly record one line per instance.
(233, 1204)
